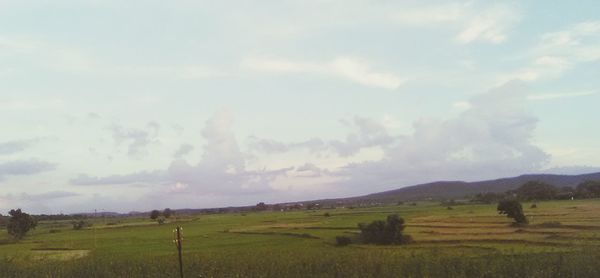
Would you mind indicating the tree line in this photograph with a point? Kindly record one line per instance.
(541, 191)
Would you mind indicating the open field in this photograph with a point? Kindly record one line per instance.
(467, 241)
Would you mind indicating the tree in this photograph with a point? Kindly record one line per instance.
(488, 197)
(154, 214)
(261, 206)
(20, 223)
(512, 209)
(536, 190)
(167, 213)
(588, 189)
(384, 232)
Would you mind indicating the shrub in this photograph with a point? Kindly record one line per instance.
(449, 208)
(342, 240)
(326, 214)
(512, 209)
(384, 232)
(533, 206)
(78, 225)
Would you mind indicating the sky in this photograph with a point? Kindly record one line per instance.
(139, 105)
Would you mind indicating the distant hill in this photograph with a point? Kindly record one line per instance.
(441, 190)
(457, 189)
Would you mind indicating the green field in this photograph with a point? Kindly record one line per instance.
(562, 240)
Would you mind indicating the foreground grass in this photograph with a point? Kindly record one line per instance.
(335, 263)
(467, 241)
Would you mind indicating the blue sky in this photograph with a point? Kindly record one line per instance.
(136, 105)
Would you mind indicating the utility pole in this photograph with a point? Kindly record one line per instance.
(178, 238)
(95, 236)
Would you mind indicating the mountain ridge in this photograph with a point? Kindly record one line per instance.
(439, 190)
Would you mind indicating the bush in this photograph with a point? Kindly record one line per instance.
(326, 214)
(449, 208)
(342, 240)
(533, 206)
(512, 209)
(384, 232)
(78, 225)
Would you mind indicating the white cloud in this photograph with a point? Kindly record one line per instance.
(222, 168)
(557, 52)
(490, 25)
(462, 105)
(137, 139)
(24, 168)
(12, 147)
(474, 23)
(368, 133)
(183, 150)
(488, 140)
(347, 68)
(560, 95)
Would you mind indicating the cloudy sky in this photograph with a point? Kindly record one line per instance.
(136, 105)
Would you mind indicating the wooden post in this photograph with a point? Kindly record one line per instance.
(177, 240)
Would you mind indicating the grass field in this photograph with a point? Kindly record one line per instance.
(562, 240)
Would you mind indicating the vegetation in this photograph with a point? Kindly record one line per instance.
(562, 240)
(19, 223)
(342, 240)
(512, 209)
(588, 189)
(154, 214)
(384, 232)
(536, 190)
(167, 212)
(261, 206)
(78, 225)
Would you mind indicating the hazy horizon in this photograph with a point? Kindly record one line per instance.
(137, 105)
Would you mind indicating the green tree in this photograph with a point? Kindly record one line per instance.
(384, 232)
(20, 223)
(261, 206)
(154, 214)
(588, 189)
(167, 213)
(512, 209)
(536, 190)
